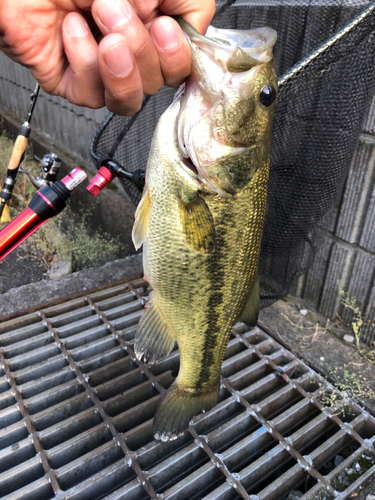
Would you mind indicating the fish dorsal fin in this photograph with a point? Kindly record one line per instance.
(139, 232)
(153, 340)
(197, 224)
(250, 312)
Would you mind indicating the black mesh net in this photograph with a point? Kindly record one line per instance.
(326, 55)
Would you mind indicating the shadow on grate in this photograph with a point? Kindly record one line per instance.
(76, 410)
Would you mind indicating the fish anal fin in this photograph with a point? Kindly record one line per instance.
(139, 232)
(250, 312)
(197, 224)
(177, 409)
(153, 340)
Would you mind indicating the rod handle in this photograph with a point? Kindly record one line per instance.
(18, 150)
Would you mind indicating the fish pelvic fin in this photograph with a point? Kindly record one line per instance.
(153, 340)
(197, 224)
(177, 408)
(139, 232)
(250, 312)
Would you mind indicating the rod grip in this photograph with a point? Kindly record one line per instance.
(18, 150)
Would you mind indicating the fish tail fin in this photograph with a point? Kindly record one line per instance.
(177, 408)
(153, 340)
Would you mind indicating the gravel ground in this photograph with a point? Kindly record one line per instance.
(16, 271)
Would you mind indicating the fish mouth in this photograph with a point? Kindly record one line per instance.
(185, 133)
(194, 121)
(204, 182)
(223, 59)
(237, 50)
(253, 40)
(190, 165)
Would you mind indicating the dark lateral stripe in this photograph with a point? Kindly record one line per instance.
(217, 281)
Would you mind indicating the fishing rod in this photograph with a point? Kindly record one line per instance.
(50, 199)
(46, 203)
(18, 153)
(52, 194)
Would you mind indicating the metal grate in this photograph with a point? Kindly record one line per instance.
(76, 410)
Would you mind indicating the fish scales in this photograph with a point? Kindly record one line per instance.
(201, 233)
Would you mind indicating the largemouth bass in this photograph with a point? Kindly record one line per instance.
(201, 215)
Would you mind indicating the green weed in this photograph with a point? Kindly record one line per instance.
(350, 384)
(357, 323)
(71, 233)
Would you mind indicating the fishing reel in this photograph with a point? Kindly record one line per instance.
(49, 168)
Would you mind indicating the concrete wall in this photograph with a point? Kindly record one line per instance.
(69, 127)
(346, 257)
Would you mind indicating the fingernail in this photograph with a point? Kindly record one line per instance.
(165, 35)
(119, 60)
(77, 26)
(114, 13)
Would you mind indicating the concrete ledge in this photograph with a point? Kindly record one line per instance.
(61, 267)
(321, 347)
(42, 292)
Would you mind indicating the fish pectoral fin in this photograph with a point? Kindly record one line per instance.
(139, 232)
(197, 224)
(153, 340)
(250, 312)
(177, 409)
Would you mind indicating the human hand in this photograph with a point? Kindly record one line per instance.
(102, 52)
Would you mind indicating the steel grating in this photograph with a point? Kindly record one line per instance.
(76, 410)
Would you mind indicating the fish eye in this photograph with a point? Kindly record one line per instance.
(267, 95)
